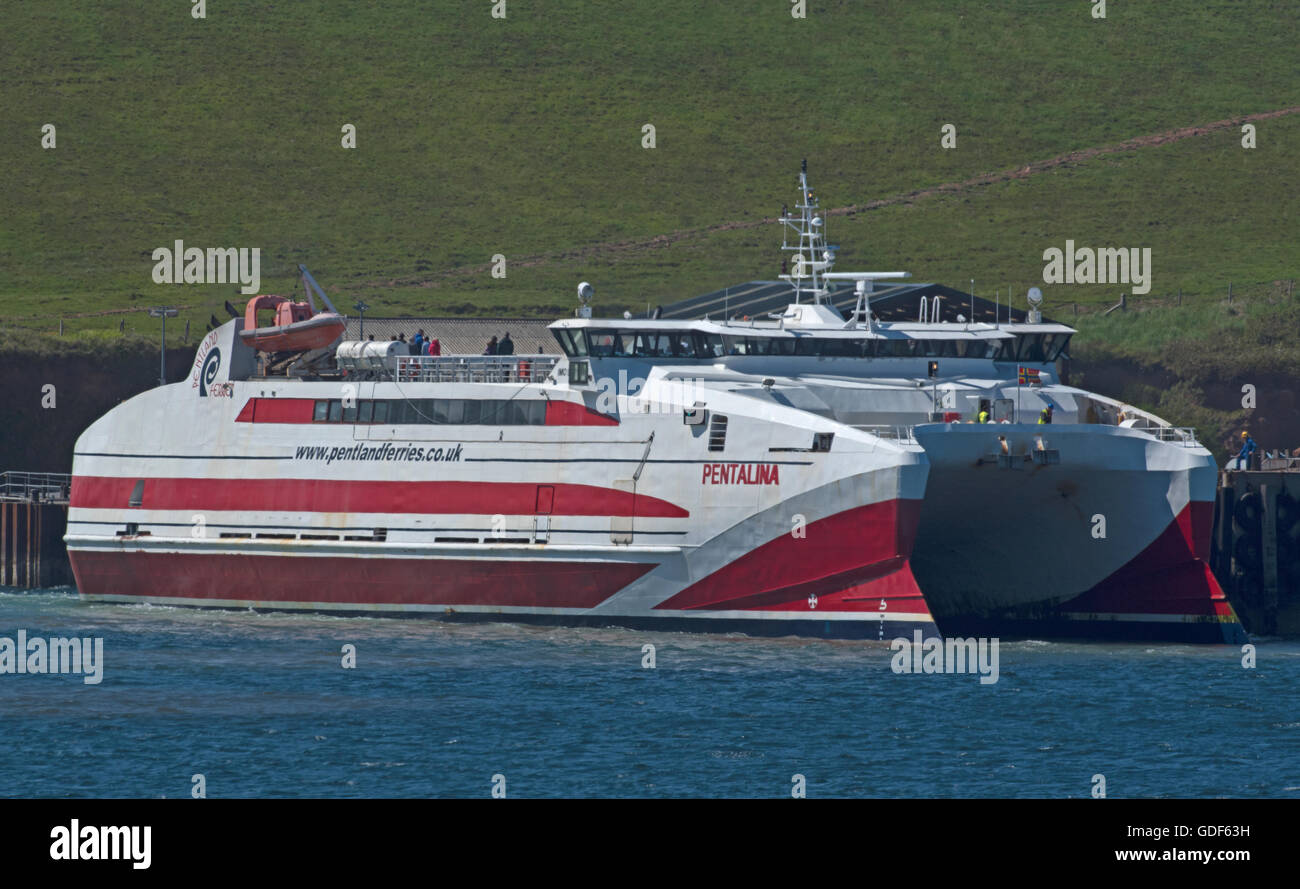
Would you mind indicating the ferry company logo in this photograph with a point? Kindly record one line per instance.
(740, 474)
(207, 364)
(208, 375)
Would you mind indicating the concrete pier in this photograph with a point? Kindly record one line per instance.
(33, 520)
(1256, 547)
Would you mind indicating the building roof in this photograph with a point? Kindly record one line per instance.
(896, 302)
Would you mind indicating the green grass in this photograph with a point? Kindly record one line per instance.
(523, 137)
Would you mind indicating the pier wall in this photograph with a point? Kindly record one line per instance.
(32, 552)
(1255, 552)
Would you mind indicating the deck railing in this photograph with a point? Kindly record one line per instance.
(35, 487)
(475, 368)
(894, 433)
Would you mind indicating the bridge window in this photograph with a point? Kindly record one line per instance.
(1055, 344)
(1031, 348)
(708, 345)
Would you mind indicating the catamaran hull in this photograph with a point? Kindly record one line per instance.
(1110, 542)
(847, 577)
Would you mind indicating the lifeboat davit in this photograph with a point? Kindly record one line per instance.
(296, 327)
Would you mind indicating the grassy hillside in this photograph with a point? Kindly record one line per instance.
(523, 136)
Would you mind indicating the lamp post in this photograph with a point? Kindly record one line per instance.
(163, 312)
(361, 307)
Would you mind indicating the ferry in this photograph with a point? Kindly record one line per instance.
(1050, 511)
(523, 488)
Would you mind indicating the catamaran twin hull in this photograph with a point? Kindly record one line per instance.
(277, 494)
(1102, 533)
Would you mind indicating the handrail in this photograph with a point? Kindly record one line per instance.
(474, 368)
(35, 487)
(894, 433)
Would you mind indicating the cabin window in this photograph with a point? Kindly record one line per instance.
(579, 373)
(321, 412)
(365, 412)
(895, 348)
(653, 345)
(579, 344)
(709, 345)
(600, 344)
(739, 345)
(381, 412)
(1031, 348)
(336, 411)
(1055, 345)
(565, 339)
(839, 348)
(350, 412)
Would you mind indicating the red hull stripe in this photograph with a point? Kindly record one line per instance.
(301, 410)
(840, 557)
(567, 413)
(327, 495)
(538, 583)
(1170, 576)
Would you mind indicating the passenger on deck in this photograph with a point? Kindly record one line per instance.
(434, 348)
(417, 342)
(491, 347)
(506, 346)
(1045, 415)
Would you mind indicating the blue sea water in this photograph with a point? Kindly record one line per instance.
(261, 706)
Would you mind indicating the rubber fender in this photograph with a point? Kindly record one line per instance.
(1249, 511)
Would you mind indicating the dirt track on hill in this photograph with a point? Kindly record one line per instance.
(984, 179)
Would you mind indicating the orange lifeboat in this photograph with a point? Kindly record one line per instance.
(296, 328)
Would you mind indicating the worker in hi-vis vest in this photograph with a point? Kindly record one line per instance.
(1247, 449)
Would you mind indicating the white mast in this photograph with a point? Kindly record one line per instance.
(813, 259)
